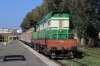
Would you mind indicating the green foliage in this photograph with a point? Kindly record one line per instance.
(39, 12)
(81, 12)
(57, 5)
(26, 24)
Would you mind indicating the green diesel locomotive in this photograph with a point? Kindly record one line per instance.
(52, 35)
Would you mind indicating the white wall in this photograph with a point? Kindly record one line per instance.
(65, 24)
(54, 23)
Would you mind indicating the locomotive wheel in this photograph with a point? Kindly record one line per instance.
(32, 46)
(53, 55)
(70, 54)
(35, 46)
(45, 51)
(40, 48)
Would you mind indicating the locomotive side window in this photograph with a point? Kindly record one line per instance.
(43, 25)
(49, 22)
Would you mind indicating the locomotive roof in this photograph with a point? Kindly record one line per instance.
(49, 15)
(45, 18)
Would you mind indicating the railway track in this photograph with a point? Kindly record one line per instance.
(70, 60)
(61, 64)
(90, 52)
(90, 48)
(90, 55)
(80, 64)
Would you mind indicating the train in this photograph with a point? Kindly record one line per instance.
(52, 36)
(26, 36)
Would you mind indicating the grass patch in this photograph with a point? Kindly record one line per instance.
(90, 57)
(94, 51)
(69, 63)
(90, 61)
(90, 52)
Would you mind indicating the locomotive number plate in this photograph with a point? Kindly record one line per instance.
(60, 45)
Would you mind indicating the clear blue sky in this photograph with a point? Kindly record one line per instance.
(12, 12)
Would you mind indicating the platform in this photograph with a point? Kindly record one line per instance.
(18, 54)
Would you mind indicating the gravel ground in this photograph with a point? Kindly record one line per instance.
(16, 48)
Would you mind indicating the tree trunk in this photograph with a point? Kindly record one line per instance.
(96, 41)
(83, 41)
(91, 42)
(76, 37)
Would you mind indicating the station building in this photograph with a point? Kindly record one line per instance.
(13, 33)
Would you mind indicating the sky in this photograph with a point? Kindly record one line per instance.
(12, 12)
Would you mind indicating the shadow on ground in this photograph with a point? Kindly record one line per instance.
(1, 49)
(79, 55)
(14, 58)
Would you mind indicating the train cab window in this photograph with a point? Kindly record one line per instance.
(60, 14)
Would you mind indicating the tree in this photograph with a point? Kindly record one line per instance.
(57, 5)
(84, 15)
(27, 22)
(39, 12)
(81, 12)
